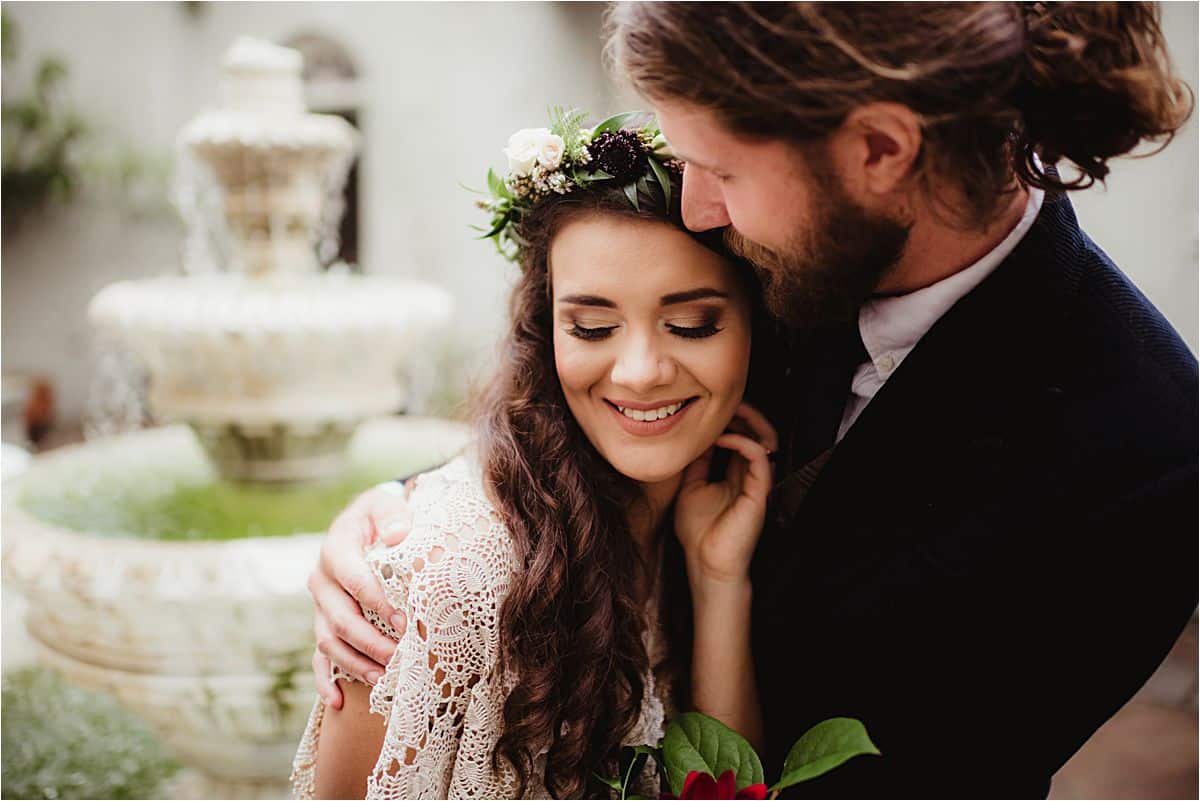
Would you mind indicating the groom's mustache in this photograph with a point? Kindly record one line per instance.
(747, 248)
(764, 260)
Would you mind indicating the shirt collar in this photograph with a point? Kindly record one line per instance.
(892, 326)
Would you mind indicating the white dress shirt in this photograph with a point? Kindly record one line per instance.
(892, 326)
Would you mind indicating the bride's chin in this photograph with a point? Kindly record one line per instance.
(651, 473)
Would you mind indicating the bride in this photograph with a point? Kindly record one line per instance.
(581, 573)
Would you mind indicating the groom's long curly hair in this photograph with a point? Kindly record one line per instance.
(571, 626)
(994, 84)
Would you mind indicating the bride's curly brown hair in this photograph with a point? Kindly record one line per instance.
(571, 626)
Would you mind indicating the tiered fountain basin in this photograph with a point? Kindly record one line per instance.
(277, 172)
(183, 594)
(275, 371)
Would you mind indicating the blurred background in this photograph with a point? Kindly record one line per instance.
(95, 98)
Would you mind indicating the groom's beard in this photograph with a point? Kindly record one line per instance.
(823, 276)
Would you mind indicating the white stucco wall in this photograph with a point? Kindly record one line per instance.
(443, 86)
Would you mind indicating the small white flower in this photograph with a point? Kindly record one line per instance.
(550, 151)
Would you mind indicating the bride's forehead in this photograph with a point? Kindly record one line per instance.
(634, 257)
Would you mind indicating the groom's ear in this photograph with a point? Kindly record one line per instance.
(876, 147)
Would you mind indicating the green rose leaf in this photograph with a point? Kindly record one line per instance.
(695, 741)
(822, 748)
(664, 180)
(615, 123)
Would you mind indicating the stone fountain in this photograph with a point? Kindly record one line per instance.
(168, 566)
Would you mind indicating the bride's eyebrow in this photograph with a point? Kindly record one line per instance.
(672, 299)
(588, 300)
(690, 295)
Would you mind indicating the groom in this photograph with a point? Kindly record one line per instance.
(984, 535)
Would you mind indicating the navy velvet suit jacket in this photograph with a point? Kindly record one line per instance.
(1003, 547)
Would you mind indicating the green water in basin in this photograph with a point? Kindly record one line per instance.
(169, 491)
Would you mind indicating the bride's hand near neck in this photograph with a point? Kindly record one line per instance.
(718, 525)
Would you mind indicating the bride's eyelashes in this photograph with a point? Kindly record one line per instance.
(694, 332)
(703, 329)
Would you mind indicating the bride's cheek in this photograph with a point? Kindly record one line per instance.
(729, 369)
(579, 368)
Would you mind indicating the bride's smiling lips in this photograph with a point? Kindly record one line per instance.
(674, 410)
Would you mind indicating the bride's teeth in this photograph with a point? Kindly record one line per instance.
(650, 415)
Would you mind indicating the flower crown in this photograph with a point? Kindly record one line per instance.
(568, 157)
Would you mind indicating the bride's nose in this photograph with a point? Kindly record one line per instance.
(642, 365)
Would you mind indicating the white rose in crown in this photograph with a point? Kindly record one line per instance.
(529, 147)
(550, 152)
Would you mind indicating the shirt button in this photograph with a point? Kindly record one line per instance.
(885, 363)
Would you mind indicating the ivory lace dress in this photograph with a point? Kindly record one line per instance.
(442, 695)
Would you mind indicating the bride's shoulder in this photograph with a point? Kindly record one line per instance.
(456, 533)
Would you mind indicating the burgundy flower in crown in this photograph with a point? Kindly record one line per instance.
(621, 154)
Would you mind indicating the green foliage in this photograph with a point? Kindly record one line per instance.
(569, 125)
(64, 742)
(698, 742)
(8, 38)
(631, 192)
(822, 748)
(616, 122)
(664, 181)
(40, 135)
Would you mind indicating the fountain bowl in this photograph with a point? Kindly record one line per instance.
(209, 640)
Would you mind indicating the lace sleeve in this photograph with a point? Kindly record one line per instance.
(449, 576)
(441, 694)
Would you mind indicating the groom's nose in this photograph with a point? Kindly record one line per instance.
(703, 203)
(642, 365)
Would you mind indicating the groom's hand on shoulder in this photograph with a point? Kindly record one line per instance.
(342, 585)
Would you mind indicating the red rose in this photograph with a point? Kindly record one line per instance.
(702, 785)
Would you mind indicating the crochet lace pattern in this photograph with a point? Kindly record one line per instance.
(442, 694)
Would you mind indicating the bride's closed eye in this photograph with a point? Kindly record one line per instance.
(701, 331)
(694, 326)
(590, 333)
(694, 331)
